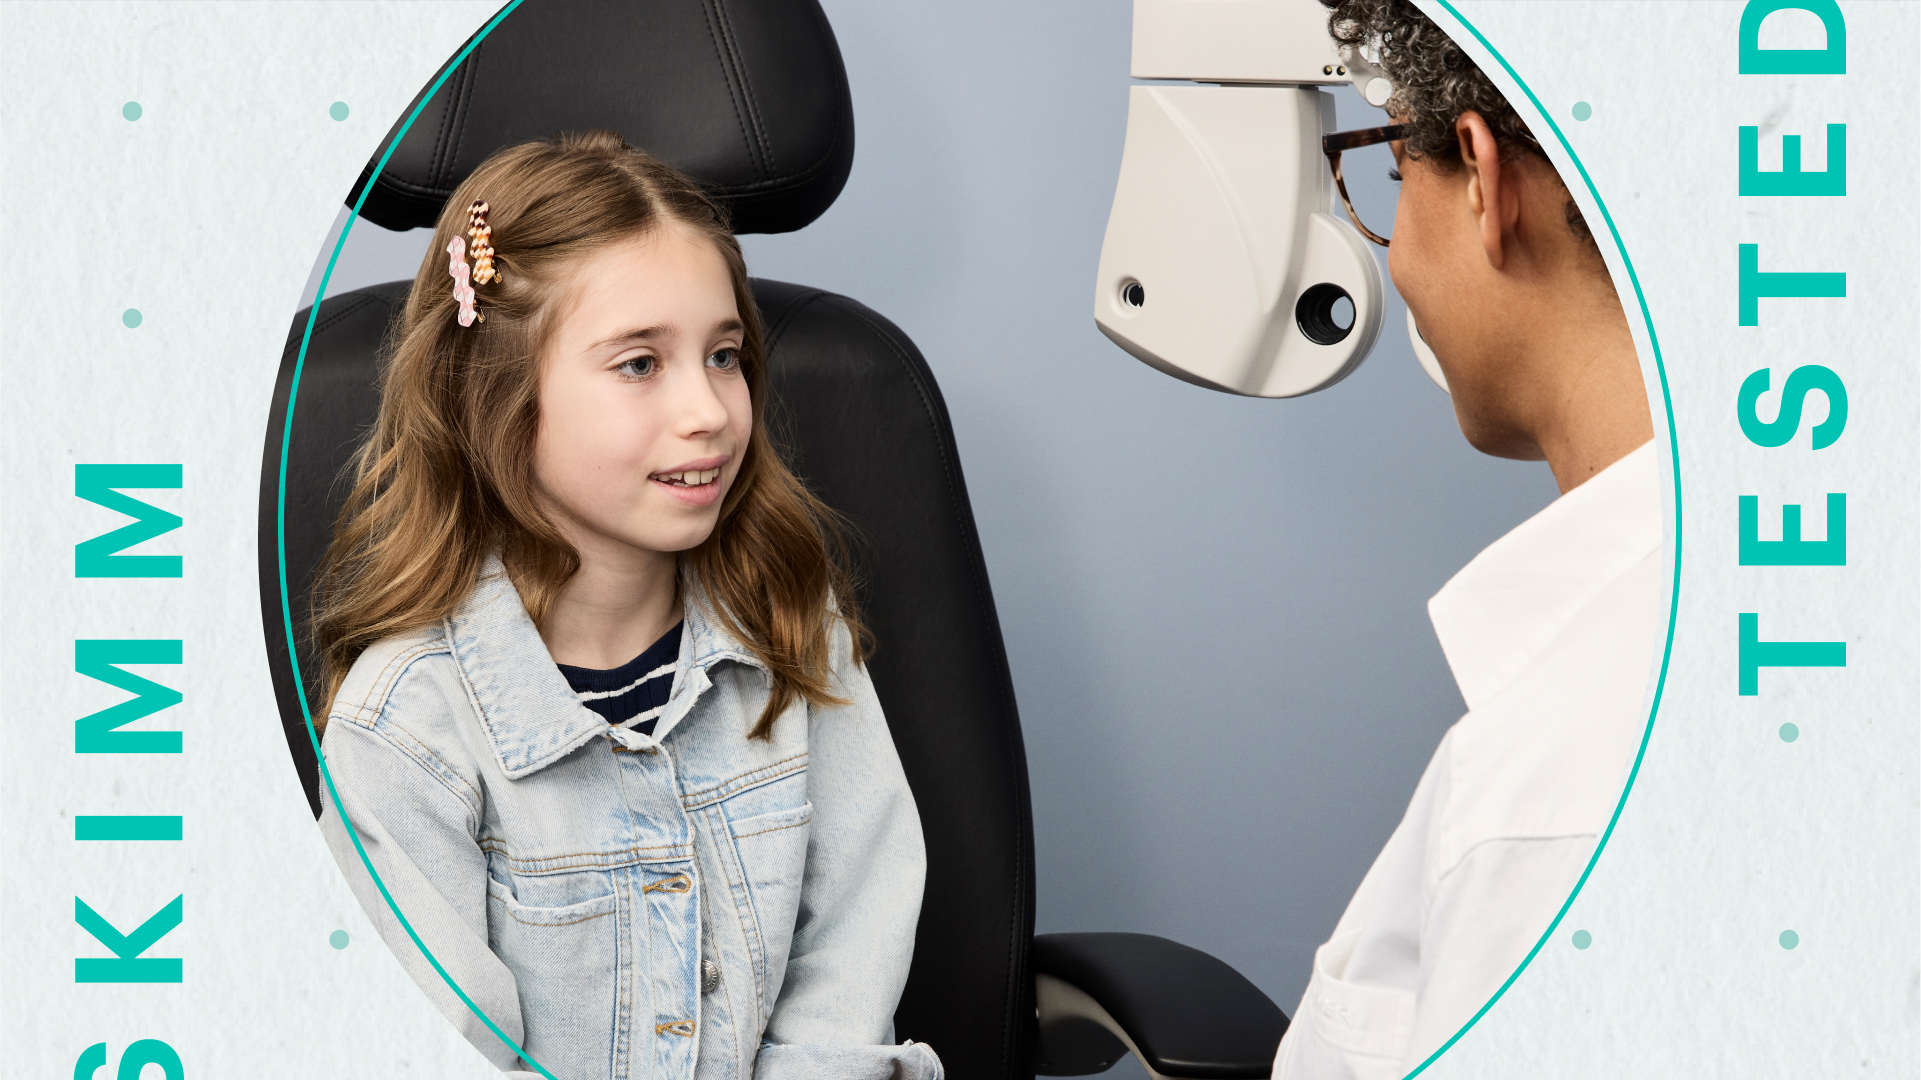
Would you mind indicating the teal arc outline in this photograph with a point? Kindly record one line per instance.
(280, 535)
(1674, 597)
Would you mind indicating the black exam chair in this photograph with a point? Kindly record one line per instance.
(751, 97)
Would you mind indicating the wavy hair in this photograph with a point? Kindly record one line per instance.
(445, 478)
(1435, 81)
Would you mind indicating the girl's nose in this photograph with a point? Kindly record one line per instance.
(699, 409)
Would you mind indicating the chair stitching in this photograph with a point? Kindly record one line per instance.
(746, 87)
(841, 116)
(349, 308)
(727, 76)
(438, 167)
(460, 125)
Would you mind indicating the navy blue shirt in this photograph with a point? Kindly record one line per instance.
(632, 694)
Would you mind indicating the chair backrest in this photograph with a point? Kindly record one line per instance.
(856, 409)
(748, 95)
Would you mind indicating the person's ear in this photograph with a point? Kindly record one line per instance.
(1491, 196)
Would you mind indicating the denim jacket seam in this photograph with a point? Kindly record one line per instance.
(423, 756)
(747, 781)
(366, 711)
(570, 922)
(389, 678)
(621, 1052)
(590, 860)
(745, 909)
(726, 986)
(382, 724)
(384, 721)
(777, 828)
(473, 696)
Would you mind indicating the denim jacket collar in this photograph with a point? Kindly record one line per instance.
(531, 715)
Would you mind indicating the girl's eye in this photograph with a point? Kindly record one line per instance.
(1394, 175)
(725, 359)
(638, 367)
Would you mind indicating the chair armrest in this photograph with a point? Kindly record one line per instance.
(1183, 1013)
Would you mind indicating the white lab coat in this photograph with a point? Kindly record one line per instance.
(1552, 633)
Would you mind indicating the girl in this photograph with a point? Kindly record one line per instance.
(599, 719)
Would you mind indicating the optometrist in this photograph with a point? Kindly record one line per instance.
(1552, 632)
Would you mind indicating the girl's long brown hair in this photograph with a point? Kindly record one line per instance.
(446, 476)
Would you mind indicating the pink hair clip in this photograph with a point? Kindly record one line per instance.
(483, 270)
(463, 289)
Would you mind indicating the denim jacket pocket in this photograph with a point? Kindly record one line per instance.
(773, 852)
(564, 964)
(772, 849)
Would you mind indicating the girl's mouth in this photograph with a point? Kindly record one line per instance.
(692, 483)
(689, 478)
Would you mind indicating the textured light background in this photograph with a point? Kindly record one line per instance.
(1213, 606)
(204, 215)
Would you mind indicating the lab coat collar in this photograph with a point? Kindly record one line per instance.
(532, 717)
(1509, 603)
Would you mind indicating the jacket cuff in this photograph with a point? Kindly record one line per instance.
(908, 1061)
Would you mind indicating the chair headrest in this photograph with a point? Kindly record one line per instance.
(747, 96)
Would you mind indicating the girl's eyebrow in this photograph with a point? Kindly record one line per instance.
(649, 333)
(645, 333)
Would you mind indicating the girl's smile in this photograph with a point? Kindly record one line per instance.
(697, 483)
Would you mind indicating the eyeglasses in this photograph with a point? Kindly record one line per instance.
(1334, 144)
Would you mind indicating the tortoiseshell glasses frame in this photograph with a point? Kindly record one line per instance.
(1333, 144)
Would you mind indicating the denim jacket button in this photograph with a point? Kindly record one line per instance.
(709, 976)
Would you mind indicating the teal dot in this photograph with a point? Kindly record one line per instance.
(1582, 110)
(338, 939)
(131, 317)
(1789, 733)
(338, 110)
(1582, 939)
(1789, 939)
(131, 110)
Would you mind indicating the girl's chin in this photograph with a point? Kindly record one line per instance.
(646, 543)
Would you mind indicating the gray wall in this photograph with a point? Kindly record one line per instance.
(1214, 606)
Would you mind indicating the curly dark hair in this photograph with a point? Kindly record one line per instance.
(1434, 83)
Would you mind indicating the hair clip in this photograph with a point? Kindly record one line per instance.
(463, 288)
(483, 249)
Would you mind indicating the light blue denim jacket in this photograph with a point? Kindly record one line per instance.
(572, 878)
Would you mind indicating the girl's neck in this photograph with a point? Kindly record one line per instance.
(613, 608)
